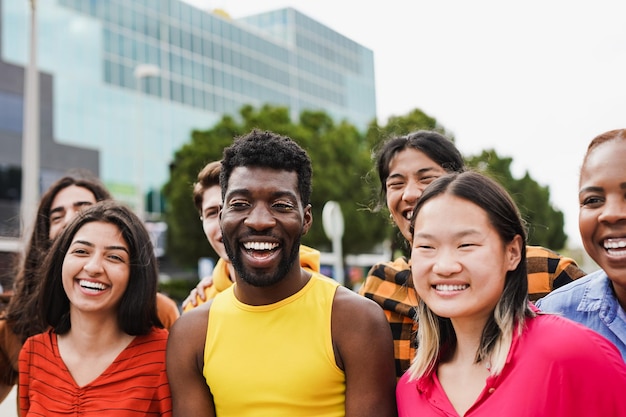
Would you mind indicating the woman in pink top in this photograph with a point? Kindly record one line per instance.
(483, 350)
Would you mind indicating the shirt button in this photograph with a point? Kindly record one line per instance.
(491, 390)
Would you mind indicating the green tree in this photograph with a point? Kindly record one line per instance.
(544, 222)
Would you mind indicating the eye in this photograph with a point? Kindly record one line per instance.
(211, 213)
(79, 251)
(429, 179)
(284, 206)
(466, 245)
(238, 204)
(392, 185)
(117, 258)
(591, 201)
(55, 218)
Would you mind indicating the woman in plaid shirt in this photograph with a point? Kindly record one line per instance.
(406, 165)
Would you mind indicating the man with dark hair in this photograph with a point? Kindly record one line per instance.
(282, 341)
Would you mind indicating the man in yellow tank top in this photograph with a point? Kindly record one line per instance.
(282, 341)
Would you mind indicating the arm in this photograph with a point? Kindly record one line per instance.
(198, 294)
(24, 378)
(185, 359)
(167, 310)
(364, 350)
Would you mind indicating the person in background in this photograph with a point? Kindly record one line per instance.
(57, 206)
(406, 165)
(207, 197)
(481, 341)
(281, 341)
(104, 350)
(599, 300)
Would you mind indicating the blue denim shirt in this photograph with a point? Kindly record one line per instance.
(590, 301)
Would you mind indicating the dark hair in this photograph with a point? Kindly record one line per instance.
(603, 138)
(433, 144)
(512, 308)
(268, 150)
(137, 312)
(21, 313)
(208, 177)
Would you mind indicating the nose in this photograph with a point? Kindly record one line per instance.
(446, 264)
(260, 218)
(412, 192)
(614, 210)
(93, 266)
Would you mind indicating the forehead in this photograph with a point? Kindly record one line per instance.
(212, 196)
(446, 212)
(255, 180)
(98, 231)
(605, 162)
(70, 195)
(411, 160)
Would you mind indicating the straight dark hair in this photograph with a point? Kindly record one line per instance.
(137, 312)
(436, 334)
(433, 144)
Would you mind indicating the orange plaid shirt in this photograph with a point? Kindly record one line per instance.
(390, 285)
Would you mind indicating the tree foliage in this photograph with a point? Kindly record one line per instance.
(544, 222)
(342, 171)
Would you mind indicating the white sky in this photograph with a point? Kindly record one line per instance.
(535, 79)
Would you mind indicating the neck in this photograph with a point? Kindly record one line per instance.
(293, 282)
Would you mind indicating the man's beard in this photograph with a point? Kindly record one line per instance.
(261, 279)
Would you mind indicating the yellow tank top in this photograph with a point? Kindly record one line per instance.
(275, 360)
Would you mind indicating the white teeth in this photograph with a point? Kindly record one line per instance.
(409, 214)
(447, 287)
(614, 243)
(92, 285)
(260, 245)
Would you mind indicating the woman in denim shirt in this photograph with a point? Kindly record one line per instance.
(599, 300)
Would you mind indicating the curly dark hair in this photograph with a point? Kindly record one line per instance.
(137, 312)
(22, 312)
(268, 150)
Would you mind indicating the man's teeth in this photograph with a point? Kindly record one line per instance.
(447, 287)
(92, 285)
(615, 243)
(260, 245)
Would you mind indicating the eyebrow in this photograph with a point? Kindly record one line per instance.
(74, 204)
(460, 234)
(594, 188)
(418, 172)
(91, 245)
(275, 194)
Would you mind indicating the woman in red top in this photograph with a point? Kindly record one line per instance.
(105, 351)
(483, 350)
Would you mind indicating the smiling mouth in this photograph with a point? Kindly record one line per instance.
(92, 286)
(615, 246)
(450, 288)
(260, 250)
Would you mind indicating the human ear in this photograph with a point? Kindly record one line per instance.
(514, 253)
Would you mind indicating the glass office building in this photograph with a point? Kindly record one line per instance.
(126, 81)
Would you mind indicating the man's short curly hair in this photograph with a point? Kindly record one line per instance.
(265, 149)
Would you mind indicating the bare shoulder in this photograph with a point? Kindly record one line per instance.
(348, 302)
(191, 327)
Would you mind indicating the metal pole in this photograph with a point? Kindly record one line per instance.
(141, 71)
(30, 138)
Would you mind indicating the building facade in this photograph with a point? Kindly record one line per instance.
(124, 82)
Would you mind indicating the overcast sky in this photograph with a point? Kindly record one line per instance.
(535, 79)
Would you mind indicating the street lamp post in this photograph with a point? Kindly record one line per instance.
(30, 138)
(142, 71)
